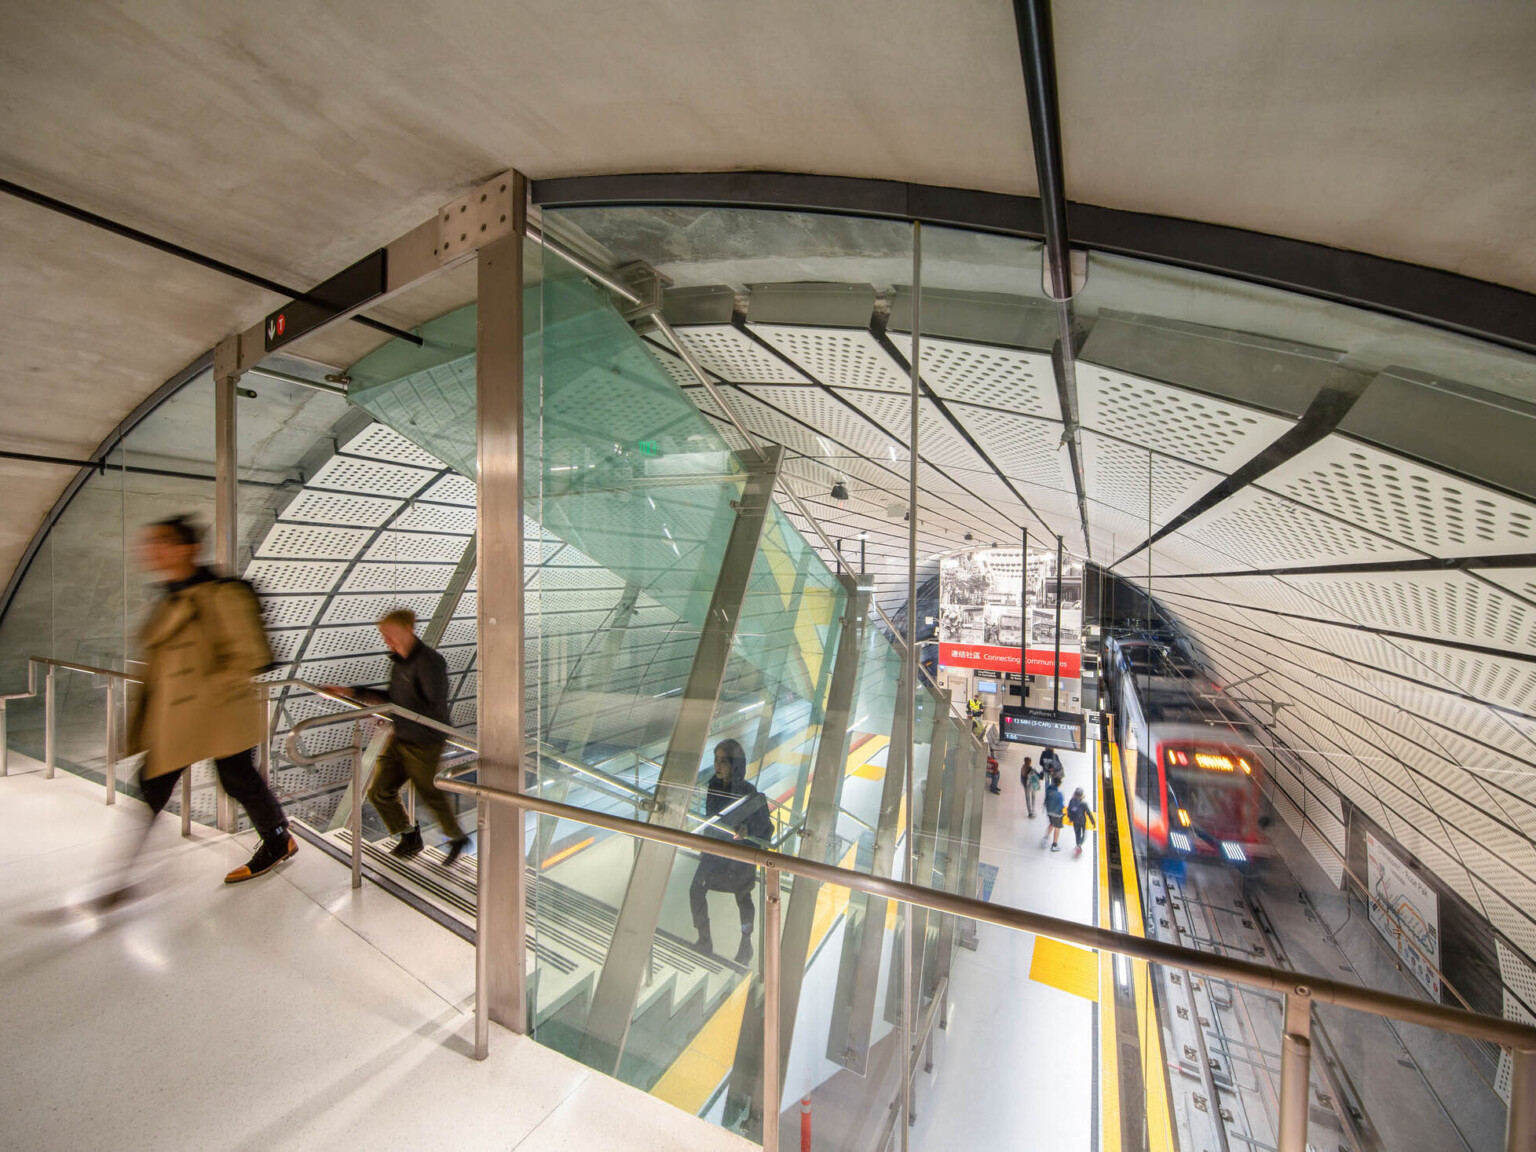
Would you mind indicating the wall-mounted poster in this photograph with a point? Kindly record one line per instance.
(990, 603)
(1406, 911)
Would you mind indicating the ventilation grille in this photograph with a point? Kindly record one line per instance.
(1420, 507)
(1212, 433)
(840, 358)
(732, 355)
(1005, 378)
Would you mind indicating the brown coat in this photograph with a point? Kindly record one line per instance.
(202, 645)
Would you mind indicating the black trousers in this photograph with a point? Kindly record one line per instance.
(241, 780)
(712, 878)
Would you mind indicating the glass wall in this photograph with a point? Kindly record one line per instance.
(1306, 532)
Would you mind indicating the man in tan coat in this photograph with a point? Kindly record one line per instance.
(203, 643)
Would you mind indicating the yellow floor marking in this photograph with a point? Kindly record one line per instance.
(1153, 1067)
(1065, 966)
(1109, 1055)
(695, 1074)
(863, 754)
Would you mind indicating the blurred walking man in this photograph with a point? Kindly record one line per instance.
(419, 682)
(202, 644)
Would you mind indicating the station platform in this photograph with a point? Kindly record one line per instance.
(287, 1012)
(1017, 1065)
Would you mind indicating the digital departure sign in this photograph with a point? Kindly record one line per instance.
(1044, 727)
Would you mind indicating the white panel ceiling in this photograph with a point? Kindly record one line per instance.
(989, 377)
(1420, 507)
(732, 355)
(838, 357)
(1212, 433)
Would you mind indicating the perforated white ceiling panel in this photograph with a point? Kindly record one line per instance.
(1419, 507)
(837, 357)
(732, 355)
(1438, 605)
(1138, 483)
(1212, 433)
(840, 429)
(340, 508)
(383, 443)
(1256, 529)
(1028, 451)
(1006, 378)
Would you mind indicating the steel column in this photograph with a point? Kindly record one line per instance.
(226, 498)
(501, 931)
(112, 726)
(772, 1056)
(822, 804)
(1295, 1072)
(1520, 1124)
(50, 723)
(1056, 669)
(482, 916)
(853, 1005)
(5, 741)
(186, 802)
(915, 380)
(357, 804)
(613, 1002)
(925, 837)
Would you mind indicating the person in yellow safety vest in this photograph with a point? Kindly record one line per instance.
(973, 706)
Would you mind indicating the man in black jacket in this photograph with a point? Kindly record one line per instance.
(419, 682)
(743, 814)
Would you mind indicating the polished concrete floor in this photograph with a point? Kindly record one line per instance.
(289, 1012)
(1015, 1068)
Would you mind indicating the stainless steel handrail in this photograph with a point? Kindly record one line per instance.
(1300, 990)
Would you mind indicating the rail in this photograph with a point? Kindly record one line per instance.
(1299, 990)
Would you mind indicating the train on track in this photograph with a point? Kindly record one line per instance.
(1193, 771)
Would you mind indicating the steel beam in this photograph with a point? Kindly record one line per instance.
(816, 842)
(226, 502)
(613, 1002)
(499, 387)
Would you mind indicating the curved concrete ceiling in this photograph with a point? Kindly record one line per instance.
(291, 141)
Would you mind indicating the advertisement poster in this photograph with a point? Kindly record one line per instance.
(989, 604)
(1406, 911)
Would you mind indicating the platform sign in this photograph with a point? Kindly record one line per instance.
(344, 292)
(1044, 727)
(1405, 910)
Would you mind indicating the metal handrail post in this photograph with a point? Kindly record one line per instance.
(772, 1088)
(1295, 1071)
(482, 911)
(357, 803)
(50, 725)
(111, 771)
(186, 801)
(1520, 1123)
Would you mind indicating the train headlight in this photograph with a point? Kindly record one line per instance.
(1180, 841)
(1234, 852)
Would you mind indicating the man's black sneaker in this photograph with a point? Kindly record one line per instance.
(704, 944)
(455, 850)
(410, 843)
(267, 857)
(744, 953)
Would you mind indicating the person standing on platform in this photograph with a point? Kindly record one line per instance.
(203, 643)
(1050, 764)
(1055, 810)
(1081, 818)
(743, 814)
(1030, 777)
(418, 681)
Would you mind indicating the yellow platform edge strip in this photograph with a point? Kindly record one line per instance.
(1153, 1066)
(1109, 1064)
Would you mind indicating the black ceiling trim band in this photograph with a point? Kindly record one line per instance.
(1496, 653)
(1479, 308)
(1331, 404)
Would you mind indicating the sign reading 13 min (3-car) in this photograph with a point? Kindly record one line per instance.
(1406, 911)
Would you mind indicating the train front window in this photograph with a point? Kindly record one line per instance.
(1210, 790)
